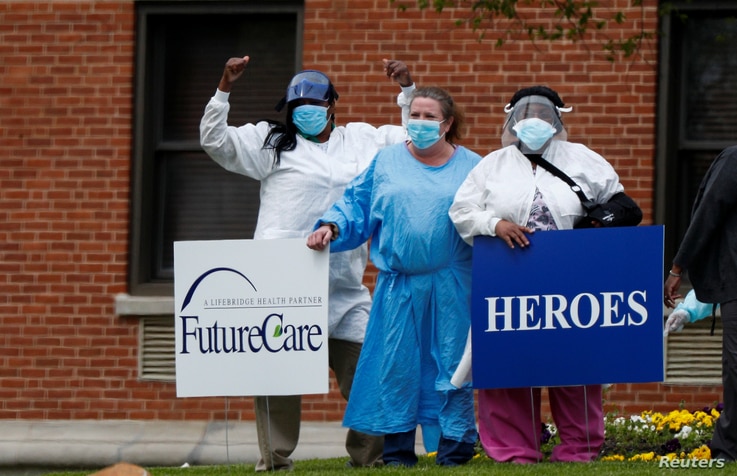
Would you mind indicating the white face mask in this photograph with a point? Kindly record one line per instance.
(534, 132)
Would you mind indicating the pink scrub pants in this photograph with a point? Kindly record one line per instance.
(510, 424)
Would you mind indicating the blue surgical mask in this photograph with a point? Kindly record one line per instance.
(424, 133)
(534, 132)
(309, 119)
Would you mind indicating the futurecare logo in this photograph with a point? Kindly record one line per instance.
(271, 333)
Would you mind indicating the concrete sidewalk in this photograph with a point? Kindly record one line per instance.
(97, 444)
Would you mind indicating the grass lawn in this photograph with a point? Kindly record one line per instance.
(427, 466)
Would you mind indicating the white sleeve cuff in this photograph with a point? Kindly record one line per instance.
(492, 226)
(221, 96)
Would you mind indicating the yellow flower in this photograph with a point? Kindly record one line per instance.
(613, 458)
(643, 457)
(704, 419)
(702, 452)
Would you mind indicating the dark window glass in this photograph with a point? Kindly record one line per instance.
(199, 200)
(710, 79)
(701, 105)
(179, 192)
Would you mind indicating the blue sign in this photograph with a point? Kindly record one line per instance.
(575, 307)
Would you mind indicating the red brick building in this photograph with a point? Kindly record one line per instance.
(99, 132)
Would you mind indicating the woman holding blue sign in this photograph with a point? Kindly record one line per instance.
(508, 196)
(421, 313)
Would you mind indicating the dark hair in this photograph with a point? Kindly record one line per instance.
(537, 91)
(279, 139)
(447, 106)
(282, 136)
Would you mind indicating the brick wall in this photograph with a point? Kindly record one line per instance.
(65, 131)
(66, 70)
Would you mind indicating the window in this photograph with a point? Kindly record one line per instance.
(178, 192)
(696, 112)
(698, 104)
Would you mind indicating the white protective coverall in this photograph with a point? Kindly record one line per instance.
(307, 182)
(293, 195)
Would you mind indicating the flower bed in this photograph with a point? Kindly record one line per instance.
(651, 435)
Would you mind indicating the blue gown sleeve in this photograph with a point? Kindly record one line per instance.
(696, 309)
(352, 214)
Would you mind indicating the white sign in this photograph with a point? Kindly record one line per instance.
(250, 318)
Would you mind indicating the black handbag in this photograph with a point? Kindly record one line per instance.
(620, 210)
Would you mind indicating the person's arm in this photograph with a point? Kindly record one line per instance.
(233, 70)
(399, 72)
(718, 199)
(672, 285)
(589, 169)
(468, 211)
(718, 202)
(322, 236)
(403, 101)
(348, 223)
(688, 310)
(237, 149)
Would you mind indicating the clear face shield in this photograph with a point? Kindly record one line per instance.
(309, 84)
(529, 107)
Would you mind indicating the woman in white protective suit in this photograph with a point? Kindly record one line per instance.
(508, 196)
(304, 165)
(421, 312)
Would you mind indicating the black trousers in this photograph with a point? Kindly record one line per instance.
(724, 441)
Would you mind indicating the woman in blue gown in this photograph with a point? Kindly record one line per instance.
(421, 316)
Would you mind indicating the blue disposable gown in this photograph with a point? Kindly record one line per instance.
(420, 316)
(696, 309)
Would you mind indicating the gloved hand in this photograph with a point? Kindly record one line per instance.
(675, 321)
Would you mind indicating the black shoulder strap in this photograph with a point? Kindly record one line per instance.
(539, 160)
